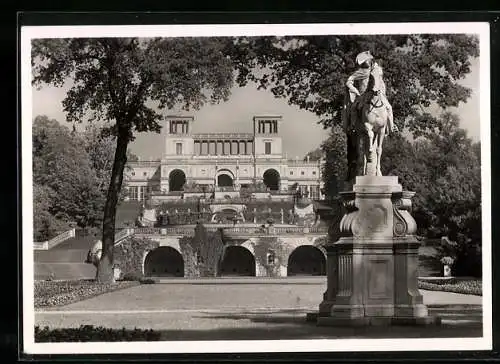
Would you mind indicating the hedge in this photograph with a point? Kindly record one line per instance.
(454, 285)
(86, 333)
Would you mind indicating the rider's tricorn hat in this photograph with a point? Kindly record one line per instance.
(363, 57)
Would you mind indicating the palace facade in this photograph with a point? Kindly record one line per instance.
(213, 160)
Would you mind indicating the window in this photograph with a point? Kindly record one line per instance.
(291, 173)
(314, 173)
(178, 148)
(302, 172)
(315, 191)
(268, 147)
(133, 173)
(145, 173)
(132, 193)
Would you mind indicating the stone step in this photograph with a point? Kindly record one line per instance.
(66, 271)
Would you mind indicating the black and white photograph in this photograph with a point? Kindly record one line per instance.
(242, 188)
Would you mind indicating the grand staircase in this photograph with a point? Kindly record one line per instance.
(66, 260)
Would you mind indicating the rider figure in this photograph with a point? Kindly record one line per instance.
(357, 84)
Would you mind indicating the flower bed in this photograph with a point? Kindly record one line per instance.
(58, 293)
(89, 333)
(455, 285)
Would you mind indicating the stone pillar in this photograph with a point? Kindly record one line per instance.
(372, 260)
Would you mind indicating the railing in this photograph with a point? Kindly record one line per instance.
(318, 229)
(122, 234)
(43, 245)
(231, 230)
(235, 200)
(49, 244)
(243, 136)
(303, 162)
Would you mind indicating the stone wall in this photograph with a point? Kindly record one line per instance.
(280, 247)
(130, 253)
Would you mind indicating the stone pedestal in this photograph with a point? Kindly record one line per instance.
(373, 259)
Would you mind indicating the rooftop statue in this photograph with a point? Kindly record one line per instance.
(367, 117)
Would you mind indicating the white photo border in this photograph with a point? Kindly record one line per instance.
(481, 29)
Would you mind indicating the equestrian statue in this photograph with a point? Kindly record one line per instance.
(367, 117)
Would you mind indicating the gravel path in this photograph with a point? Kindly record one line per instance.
(244, 311)
(222, 296)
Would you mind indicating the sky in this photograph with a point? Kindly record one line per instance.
(300, 131)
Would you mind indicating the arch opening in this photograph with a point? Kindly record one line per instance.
(306, 260)
(271, 179)
(164, 261)
(237, 261)
(224, 180)
(176, 180)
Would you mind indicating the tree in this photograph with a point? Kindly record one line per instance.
(420, 71)
(444, 169)
(125, 82)
(100, 148)
(45, 225)
(311, 71)
(63, 177)
(335, 165)
(314, 155)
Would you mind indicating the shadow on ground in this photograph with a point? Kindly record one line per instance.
(310, 331)
(291, 324)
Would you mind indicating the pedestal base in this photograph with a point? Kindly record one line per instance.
(372, 265)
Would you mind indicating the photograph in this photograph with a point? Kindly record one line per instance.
(250, 188)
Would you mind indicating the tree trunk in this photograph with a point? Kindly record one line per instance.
(105, 266)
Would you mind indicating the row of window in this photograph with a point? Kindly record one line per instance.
(143, 173)
(141, 192)
(178, 150)
(302, 173)
(312, 191)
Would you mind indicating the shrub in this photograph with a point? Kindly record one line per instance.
(467, 256)
(87, 333)
(447, 260)
(132, 277)
(147, 281)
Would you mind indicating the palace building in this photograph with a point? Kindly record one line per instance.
(217, 160)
